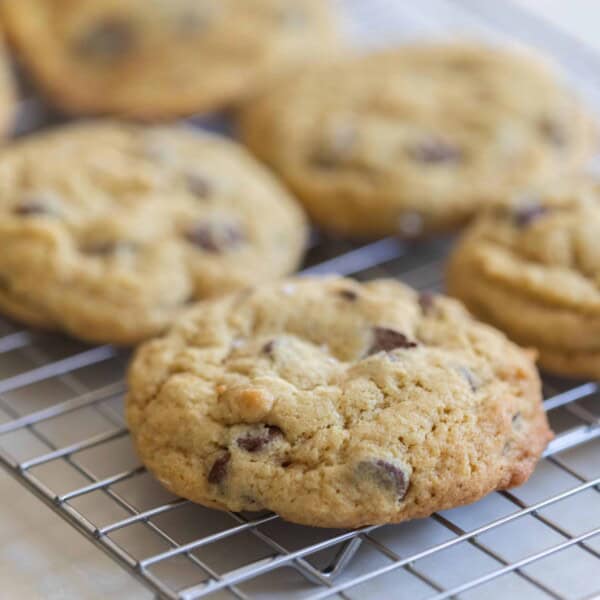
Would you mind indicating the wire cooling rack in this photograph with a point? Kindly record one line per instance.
(62, 435)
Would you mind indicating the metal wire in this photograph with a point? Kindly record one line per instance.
(62, 503)
(95, 484)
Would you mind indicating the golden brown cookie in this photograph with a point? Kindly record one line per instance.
(335, 404)
(163, 58)
(107, 230)
(418, 139)
(533, 270)
(7, 93)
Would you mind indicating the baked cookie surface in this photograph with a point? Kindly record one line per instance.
(335, 403)
(8, 95)
(163, 58)
(107, 229)
(416, 140)
(534, 271)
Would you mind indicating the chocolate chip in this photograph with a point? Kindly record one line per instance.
(349, 295)
(190, 300)
(255, 443)
(107, 41)
(4, 283)
(426, 302)
(108, 247)
(252, 444)
(268, 348)
(215, 238)
(554, 132)
(324, 160)
(435, 151)
(32, 208)
(385, 475)
(470, 377)
(517, 420)
(99, 248)
(199, 185)
(386, 340)
(527, 214)
(219, 469)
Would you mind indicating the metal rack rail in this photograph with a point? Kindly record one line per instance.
(63, 437)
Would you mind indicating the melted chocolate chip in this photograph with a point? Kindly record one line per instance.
(517, 420)
(324, 160)
(199, 185)
(384, 475)
(219, 469)
(435, 151)
(191, 299)
(554, 132)
(108, 41)
(349, 295)
(268, 348)
(255, 443)
(386, 340)
(108, 247)
(4, 283)
(32, 208)
(527, 214)
(426, 302)
(215, 238)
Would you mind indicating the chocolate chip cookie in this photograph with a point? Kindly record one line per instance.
(162, 58)
(533, 269)
(107, 230)
(7, 93)
(416, 140)
(335, 404)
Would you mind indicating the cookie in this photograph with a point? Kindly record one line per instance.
(416, 140)
(335, 404)
(107, 229)
(533, 270)
(7, 93)
(166, 57)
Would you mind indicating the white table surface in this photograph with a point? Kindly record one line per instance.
(43, 558)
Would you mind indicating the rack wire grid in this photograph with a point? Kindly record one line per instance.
(62, 434)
